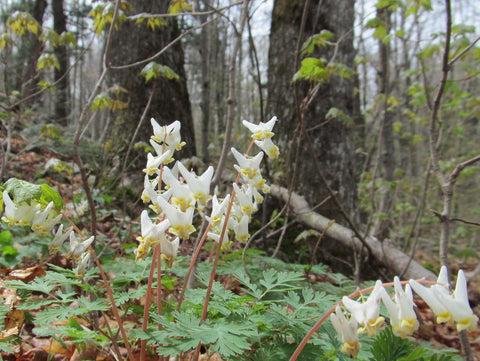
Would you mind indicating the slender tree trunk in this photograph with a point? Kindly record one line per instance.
(62, 110)
(387, 158)
(205, 54)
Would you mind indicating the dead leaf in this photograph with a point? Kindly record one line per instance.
(35, 354)
(27, 274)
(57, 348)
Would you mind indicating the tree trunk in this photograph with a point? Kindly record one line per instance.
(60, 76)
(170, 102)
(333, 144)
(205, 55)
(35, 49)
(387, 158)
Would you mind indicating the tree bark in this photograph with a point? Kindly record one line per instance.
(205, 55)
(62, 89)
(31, 73)
(392, 259)
(333, 143)
(387, 154)
(134, 42)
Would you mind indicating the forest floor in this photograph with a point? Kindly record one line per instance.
(26, 164)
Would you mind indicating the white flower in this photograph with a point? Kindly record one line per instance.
(152, 234)
(78, 248)
(59, 239)
(17, 215)
(169, 135)
(367, 313)
(84, 263)
(347, 330)
(218, 210)
(182, 196)
(148, 189)
(44, 221)
(199, 185)
(402, 316)
(181, 222)
(169, 250)
(216, 233)
(448, 307)
(155, 206)
(268, 147)
(154, 162)
(262, 130)
(247, 166)
(240, 227)
(244, 196)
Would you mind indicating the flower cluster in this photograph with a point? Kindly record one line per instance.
(364, 315)
(175, 202)
(246, 196)
(174, 193)
(42, 222)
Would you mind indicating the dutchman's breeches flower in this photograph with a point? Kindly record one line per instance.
(44, 221)
(169, 135)
(78, 248)
(270, 149)
(199, 185)
(180, 222)
(347, 330)
(248, 166)
(402, 316)
(450, 308)
(169, 250)
(218, 210)
(367, 313)
(154, 162)
(261, 131)
(21, 215)
(59, 239)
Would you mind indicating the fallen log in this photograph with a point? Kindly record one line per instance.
(384, 252)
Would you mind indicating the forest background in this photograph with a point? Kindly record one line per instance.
(377, 106)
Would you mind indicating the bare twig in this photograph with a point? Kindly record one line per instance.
(464, 51)
(231, 95)
(446, 184)
(192, 13)
(164, 49)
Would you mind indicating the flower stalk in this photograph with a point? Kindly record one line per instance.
(399, 297)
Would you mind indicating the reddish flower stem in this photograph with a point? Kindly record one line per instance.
(217, 255)
(148, 296)
(114, 306)
(159, 282)
(190, 268)
(332, 309)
